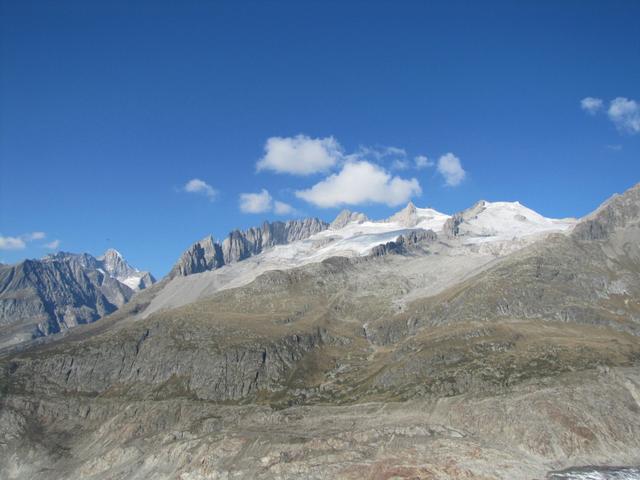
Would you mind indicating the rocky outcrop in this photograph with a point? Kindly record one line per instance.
(208, 255)
(617, 212)
(405, 243)
(345, 217)
(200, 257)
(154, 361)
(451, 227)
(407, 217)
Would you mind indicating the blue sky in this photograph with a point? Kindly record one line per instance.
(109, 109)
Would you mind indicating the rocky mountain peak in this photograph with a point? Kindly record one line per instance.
(502, 221)
(451, 227)
(241, 244)
(407, 217)
(621, 210)
(114, 263)
(112, 253)
(81, 260)
(346, 217)
(475, 209)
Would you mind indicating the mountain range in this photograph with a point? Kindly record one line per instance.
(492, 343)
(208, 255)
(61, 291)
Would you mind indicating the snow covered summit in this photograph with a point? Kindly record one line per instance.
(116, 266)
(503, 222)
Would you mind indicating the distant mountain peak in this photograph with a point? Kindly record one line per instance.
(346, 217)
(111, 252)
(492, 221)
(407, 217)
(111, 262)
(115, 265)
(65, 289)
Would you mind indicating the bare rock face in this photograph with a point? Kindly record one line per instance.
(200, 257)
(117, 267)
(451, 227)
(42, 297)
(208, 255)
(240, 245)
(61, 291)
(618, 212)
(407, 217)
(115, 264)
(345, 217)
(405, 243)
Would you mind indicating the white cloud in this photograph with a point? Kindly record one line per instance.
(394, 151)
(12, 243)
(256, 202)
(195, 185)
(625, 114)
(395, 157)
(28, 237)
(281, 208)
(53, 245)
(450, 168)
(422, 161)
(615, 147)
(591, 105)
(400, 164)
(20, 242)
(263, 202)
(300, 155)
(377, 153)
(360, 182)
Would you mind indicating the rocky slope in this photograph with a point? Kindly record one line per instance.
(376, 366)
(61, 291)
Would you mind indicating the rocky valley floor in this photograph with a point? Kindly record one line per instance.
(524, 432)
